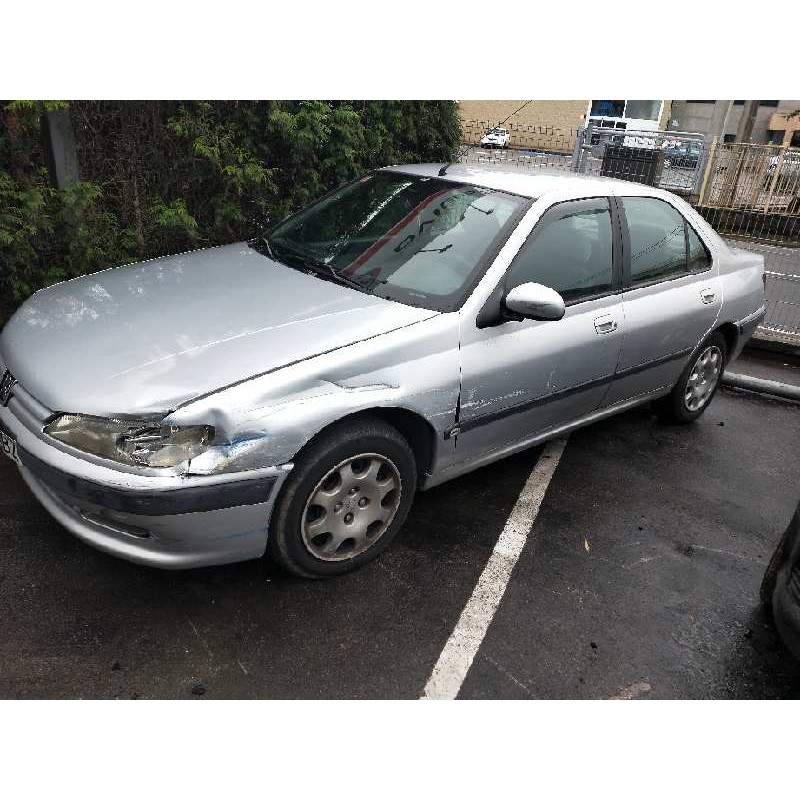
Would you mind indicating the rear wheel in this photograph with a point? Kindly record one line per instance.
(345, 500)
(697, 384)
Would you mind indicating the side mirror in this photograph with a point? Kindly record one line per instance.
(534, 301)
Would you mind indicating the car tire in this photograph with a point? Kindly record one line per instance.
(698, 383)
(770, 579)
(363, 470)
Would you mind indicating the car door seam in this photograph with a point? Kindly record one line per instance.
(485, 419)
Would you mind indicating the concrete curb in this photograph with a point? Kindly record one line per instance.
(772, 346)
(784, 390)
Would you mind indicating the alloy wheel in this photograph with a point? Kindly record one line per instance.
(703, 378)
(351, 507)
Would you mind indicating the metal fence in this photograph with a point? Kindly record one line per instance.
(753, 191)
(528, 146)
(782, 290)
(670, 160)
(667, 159)
(748, 193)
(522, 137)
(782, 299)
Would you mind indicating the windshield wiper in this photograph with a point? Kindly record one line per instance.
(326, 271)
(316, 265)
(265, 239)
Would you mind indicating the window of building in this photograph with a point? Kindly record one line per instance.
(643, 109)
(633, 109)
(767, 103)
(570, 250)
(608, 108)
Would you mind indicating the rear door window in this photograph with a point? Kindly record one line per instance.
(662, 244)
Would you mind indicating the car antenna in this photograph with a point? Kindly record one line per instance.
(443, 170)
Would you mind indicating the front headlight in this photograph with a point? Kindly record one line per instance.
(137, 442)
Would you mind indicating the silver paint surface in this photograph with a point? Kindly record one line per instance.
(270, 356)
(144, 338)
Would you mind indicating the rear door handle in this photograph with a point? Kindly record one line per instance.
(708, 296)
(605, 325)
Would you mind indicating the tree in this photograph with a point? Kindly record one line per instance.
(165, 176)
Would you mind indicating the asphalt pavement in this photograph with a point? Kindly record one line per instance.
(639, 579)
(771, 366)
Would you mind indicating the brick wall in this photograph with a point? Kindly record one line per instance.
(564, 115)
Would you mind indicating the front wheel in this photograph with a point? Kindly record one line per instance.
(697, 384)
(345, 500)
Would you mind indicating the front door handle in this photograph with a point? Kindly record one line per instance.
(708, 296)
(605, 325)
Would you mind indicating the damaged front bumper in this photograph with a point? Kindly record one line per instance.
(169, 521)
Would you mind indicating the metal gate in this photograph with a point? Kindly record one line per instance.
(679, 157)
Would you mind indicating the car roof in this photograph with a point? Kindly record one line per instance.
(529, 183)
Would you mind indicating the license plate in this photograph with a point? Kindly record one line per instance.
(9, 445)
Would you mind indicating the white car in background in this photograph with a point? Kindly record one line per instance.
(496, 137)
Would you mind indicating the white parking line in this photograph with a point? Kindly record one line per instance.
(455, 660)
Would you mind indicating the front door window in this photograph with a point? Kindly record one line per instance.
(570, 250)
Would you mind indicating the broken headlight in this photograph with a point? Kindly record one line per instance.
(136, 442)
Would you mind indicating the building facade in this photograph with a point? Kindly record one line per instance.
(560, 115)
(569, 115)
(772, 124)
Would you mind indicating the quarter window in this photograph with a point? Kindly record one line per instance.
(570, 250)
(699, 258)
(662, 244)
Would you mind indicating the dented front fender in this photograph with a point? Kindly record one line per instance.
(267, 420)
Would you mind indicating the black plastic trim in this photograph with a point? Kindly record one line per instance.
(656, 362)
(494, 416)
(152, 503)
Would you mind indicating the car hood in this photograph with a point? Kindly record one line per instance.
(147, 337)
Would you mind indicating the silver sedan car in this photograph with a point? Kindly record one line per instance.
(290, 394)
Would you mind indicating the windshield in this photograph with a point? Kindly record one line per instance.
(418, 240)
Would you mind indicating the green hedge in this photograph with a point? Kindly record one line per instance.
(162, 177)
